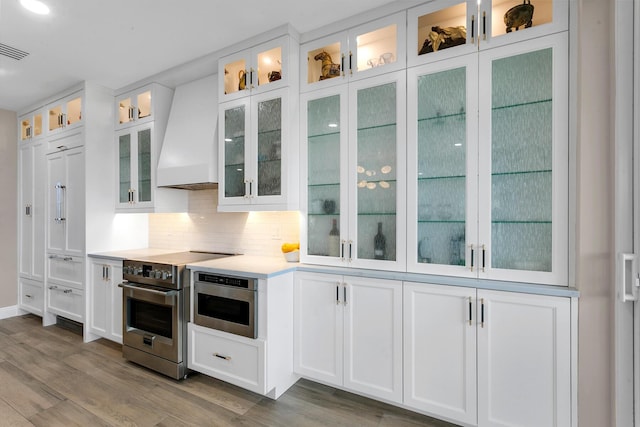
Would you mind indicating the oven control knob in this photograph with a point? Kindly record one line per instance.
(157, 274)
(166, 275)
(137, 271)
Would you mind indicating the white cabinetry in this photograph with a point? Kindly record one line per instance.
(353, 153)
(258, 159)
(440, 351)
(261, 68)
(105, 316)
(31, 125)
(258, 126)
(31, 295)
(348, 333)
(441, 29)
(488, 169)
(263, 365)
(139, 106)
(65, 202)
(65, 113)
(508, 352)
(138, 142)
(524, 363)
(374, 48)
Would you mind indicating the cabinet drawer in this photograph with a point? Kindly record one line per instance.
(66, 270)
(32, 296)
(65, 301)
(237, 360)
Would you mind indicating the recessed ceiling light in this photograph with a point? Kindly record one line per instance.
(35, 6)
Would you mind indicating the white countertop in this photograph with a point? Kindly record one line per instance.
(259, 267)
(131, 253)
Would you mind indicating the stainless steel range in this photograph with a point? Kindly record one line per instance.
(156, 310)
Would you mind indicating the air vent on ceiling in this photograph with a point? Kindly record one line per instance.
(12, 52)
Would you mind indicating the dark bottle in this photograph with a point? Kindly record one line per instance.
(334, 240)
(379, 244)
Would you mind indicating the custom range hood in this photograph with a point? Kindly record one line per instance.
(188, 159)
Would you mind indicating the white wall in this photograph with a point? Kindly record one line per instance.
(594, 227)
(203, 228)
(8, 210)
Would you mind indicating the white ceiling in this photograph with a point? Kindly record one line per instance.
(118, 42)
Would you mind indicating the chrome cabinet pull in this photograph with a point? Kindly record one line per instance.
(344, 293)
(342, 242)
(350, 248)
(60, 202)
(27, 210)
(342, 64)
(53, 287)
(484, 25)
(338, 293)
(221, 356)
(471, 256)
(28, 296)
(68, 291)
(482, 312)
(350, 66)
(473, 27)
(106, 272)
(470, 311)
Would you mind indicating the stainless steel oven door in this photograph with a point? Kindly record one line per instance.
(152, 320)
(226, 308)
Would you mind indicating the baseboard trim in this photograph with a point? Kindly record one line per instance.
(11, 311)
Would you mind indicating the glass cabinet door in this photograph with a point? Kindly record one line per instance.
(66, 113)
(442, 166)
(324, 120)
(325, 61)
(525, 221)
(144, 166)
(520, 19)
(269, 147)
(124, 168)
(235, 125)
(134, 107)
(376, 168)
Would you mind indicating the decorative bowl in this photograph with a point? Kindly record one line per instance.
(293, 256)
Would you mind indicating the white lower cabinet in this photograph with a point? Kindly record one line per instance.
(65, 301)
(348, 333)
(105, 316)
(524, 360)
(440, 350)
(508, 353)
(31, 295)
(230, 358)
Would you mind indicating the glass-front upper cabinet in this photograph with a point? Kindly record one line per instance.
(374, 48)
(135, 168)
(31, 125)
(488, 164)
(261, 68)
(442, 166)
(255, 158)
(445, 28)
(65, 113)
(141, 105)
(355, 187)
(523, 179)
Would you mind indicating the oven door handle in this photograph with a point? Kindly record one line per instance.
(151, 291)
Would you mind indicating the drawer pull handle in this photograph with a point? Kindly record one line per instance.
(220, 356)
(28, 296)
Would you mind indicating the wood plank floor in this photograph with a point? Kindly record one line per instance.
(49, 377)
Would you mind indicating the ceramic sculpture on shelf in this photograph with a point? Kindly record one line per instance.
(518, 16)
(441, 38)
(329, 69)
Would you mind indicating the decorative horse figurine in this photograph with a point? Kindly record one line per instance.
(329, 69)
(242, 80)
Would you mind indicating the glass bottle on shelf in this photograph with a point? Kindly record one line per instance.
(379, 244)
(334, 239)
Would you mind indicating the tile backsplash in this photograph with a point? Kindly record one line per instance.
(203, 228)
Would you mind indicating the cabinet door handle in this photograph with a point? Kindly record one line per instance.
(60, 202)
(250, 188)
(483, 257)
(471, 256)
(27, 210)
(484, 25)
(68, 291)
(470, 311)
(482, 312)
(63, 120)
(220, 356)
(350, 66)
(473, 28)
(28, 296)
(53, 287)
(342, 249)
(350, 247)
(106, 271)
(67, 258)
(251, 78)
(338, 293)
(342, 64)
(344, 294)
(103, 273)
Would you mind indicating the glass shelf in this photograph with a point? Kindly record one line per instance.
(431, 178)
(376, 127)
(376, 213)
(441, 221)
(522, 104)
(458, 116)
(521, 172)
(320, 135)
